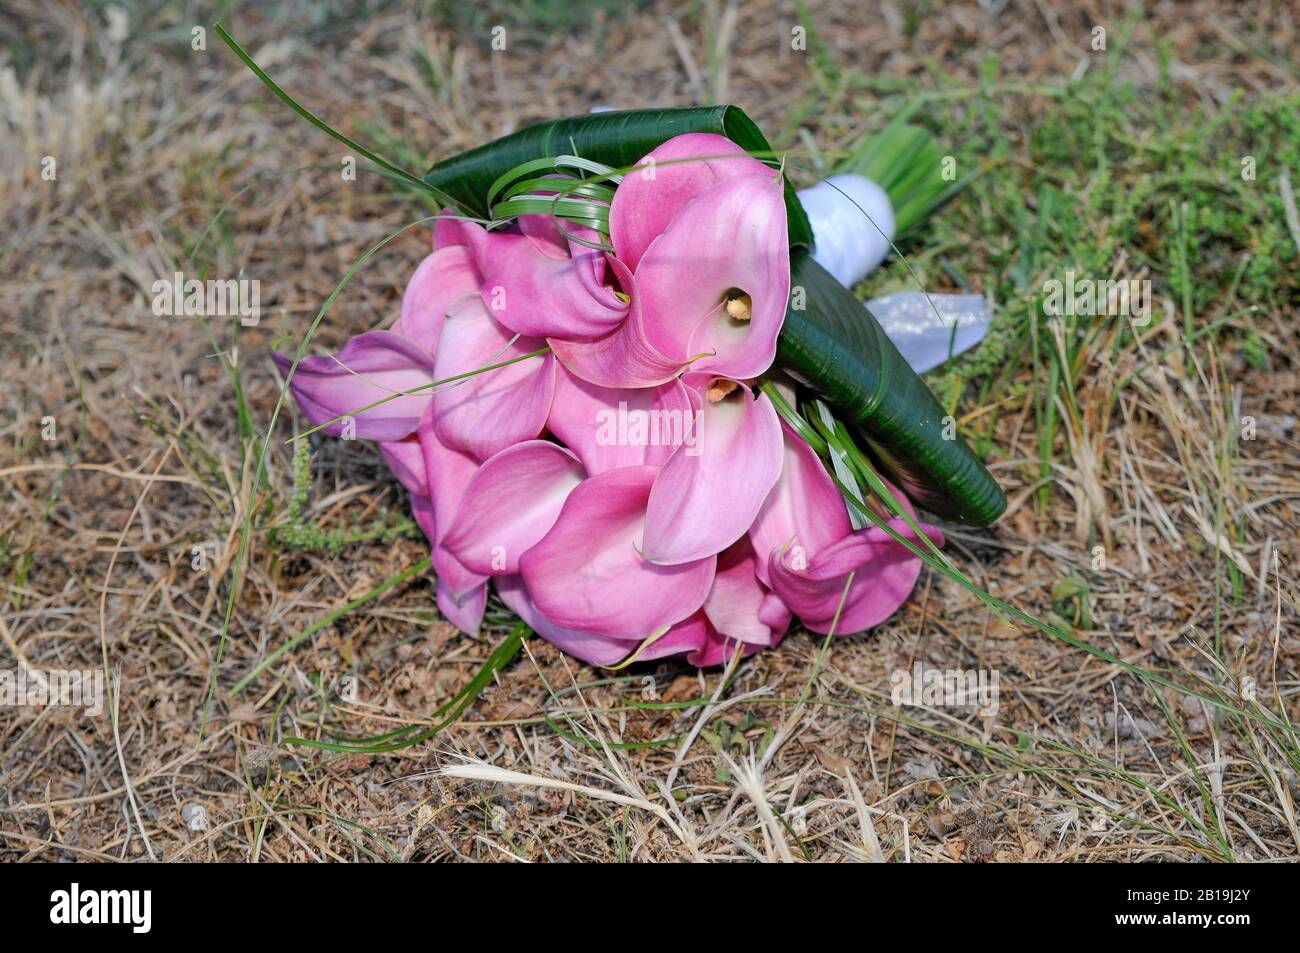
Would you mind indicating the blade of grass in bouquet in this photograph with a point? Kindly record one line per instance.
(906, 162)
(396, 171)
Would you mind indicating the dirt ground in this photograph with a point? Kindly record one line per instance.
(128, 455)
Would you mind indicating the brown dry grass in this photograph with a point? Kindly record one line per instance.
(149, 461)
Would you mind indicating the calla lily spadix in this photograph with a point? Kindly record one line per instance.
(630, 492)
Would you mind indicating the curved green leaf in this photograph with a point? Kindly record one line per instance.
(837, 347)
(618, 139)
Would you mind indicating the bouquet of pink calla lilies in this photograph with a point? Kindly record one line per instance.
(615, 473)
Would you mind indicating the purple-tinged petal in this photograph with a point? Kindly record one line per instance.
(510, 504)
(707, 495)
(465, 611)
(587, 573)
(649, 197)
(804, 511)
(449, 473)
(609, 427)
(728, 240)
(884, 573)
(495, 409)
(532, 293)
(406, 461)
(371, 367)
(624, 357)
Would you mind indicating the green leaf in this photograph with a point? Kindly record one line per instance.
(617, 139)
(833, 344)
(837, 347)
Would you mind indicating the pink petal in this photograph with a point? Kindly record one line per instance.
(455, 582)
(441, 278)
(587, 573)
(691, 635)
(804, 511)
(707, 495)
(884, 573)
(510, 504)
(736, 602)
(406, 461)
(465, 612)
(533, 293)
(624, 357)
(371, 367)
(492, 410)
(667, 178)
(611, 427)
(449, 473)
(730, 237)
(593, 649)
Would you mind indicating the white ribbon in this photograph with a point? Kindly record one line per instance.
(852, 224)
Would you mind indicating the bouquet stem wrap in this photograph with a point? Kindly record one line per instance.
(831, 344)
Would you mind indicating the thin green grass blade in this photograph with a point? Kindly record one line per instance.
(328, 620)
(446, 714)
(400, 173)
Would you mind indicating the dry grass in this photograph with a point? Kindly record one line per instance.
(801, 754)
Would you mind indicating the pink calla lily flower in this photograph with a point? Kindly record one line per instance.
(594, 551)
(701, 231)
(708, 493)
(807, 549)
(510, 503)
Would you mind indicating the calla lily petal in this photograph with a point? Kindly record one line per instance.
(492, 410)
(804, 510)
(611, 427)
(707, 495)
(510, 504)
(406, 460)
(465, 611)
(737, 598)
(442, 277)
(449, 473)
(371, 367)
(534, 293)
(624, 357)
(728, 240)
(592, 553)
(593, 649)
(885, 572)
(670, 176)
